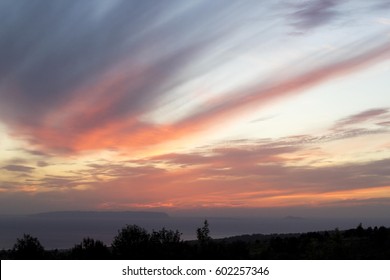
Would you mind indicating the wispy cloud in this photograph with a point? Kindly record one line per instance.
(79, 126)
(364, 116)
(78, 85)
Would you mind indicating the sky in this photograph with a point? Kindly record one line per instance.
(195, 106)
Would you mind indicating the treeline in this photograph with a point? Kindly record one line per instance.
(358, 243)
(134, 242)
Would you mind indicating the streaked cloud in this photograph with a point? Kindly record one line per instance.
(131, 104)
(79, 126)
(79, 85)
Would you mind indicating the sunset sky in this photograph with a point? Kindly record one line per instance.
(194, 105)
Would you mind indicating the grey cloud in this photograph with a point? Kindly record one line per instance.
(60, 181)
(343, 129)
(248, 154)
(51, 48)
(363, 116)
(370, 202)
(386, 124)
(55, 182)
(7, 185)
(263, 162)
(293, 179)
(342, 177)
(18, 168)
(121, 170)
(36, 153)
(182, 159)
(18, 161)
(380, 4)
(311, 14)
(42, 163)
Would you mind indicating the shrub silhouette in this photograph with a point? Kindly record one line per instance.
(131, 243)
(165, 236)
(90, 249)
(166, 244)
(28, 248)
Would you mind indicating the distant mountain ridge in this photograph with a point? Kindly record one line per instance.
(293, 218)
(102, 214)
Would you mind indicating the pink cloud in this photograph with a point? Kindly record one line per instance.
(87, 121)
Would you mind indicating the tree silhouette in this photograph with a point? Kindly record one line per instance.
(131, 243)
(166, 244)
(202, 233)
(90, 249)
(28, 248)
(205, 248)
(165, 236)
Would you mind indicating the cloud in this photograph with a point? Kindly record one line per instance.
(48, 55)
(18, 168)
(78, 77)
(364, 116)
(272, 168)
(242, 173)
(73, 70)
(380, 5)
(386, 124)
(361, 124)
(372, 121)
(116, 170)
(59, 182)
(35, 152)
(265, 92)
(234, 184)
(90, 78)
(311, 14)
(42, 163)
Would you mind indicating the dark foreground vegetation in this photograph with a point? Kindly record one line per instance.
(134, 242)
